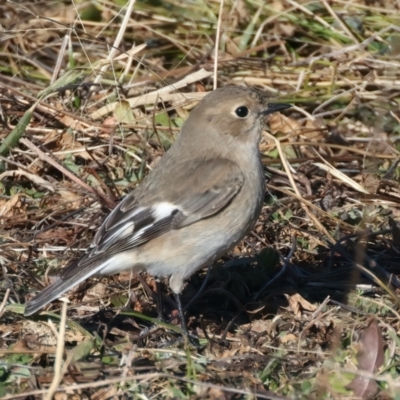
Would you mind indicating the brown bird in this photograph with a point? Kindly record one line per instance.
(199, 201)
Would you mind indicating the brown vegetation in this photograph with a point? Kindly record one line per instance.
(92, 94)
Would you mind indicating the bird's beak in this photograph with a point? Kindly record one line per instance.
(273, 107)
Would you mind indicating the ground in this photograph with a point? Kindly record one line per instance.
(306, 307)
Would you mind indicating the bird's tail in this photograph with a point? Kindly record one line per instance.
(65, 282)
(48, 294)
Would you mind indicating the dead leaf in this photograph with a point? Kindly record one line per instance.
(110, 121)
(257, 326)
(286, 29)
(60, 396)
(370, 181)
(106, 393)
(288, 338)
(10, 207)
(123, 113)
(38, 336)
(37, 180)
(98, 291)
(278, 122)
(55, 234)
(298, 303)
(370, 358)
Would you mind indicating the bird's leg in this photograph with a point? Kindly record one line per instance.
(181, 314)
(154, 327)
(181, 309)
(188, 339)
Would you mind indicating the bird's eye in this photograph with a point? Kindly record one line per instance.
(242, 112)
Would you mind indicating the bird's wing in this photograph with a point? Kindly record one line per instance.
(205, 190)
(198, 189)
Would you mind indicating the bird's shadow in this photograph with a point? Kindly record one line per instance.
(241, 289)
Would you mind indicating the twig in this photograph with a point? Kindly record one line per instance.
(146, 377)
(286, 166)
(3, 303)
(162, 94)
(65, 171)
(217, 38)
(118, 39)
(59, 355)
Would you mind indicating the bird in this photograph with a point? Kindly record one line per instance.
(197, 203)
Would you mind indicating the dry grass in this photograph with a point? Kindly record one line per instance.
(91, 97)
